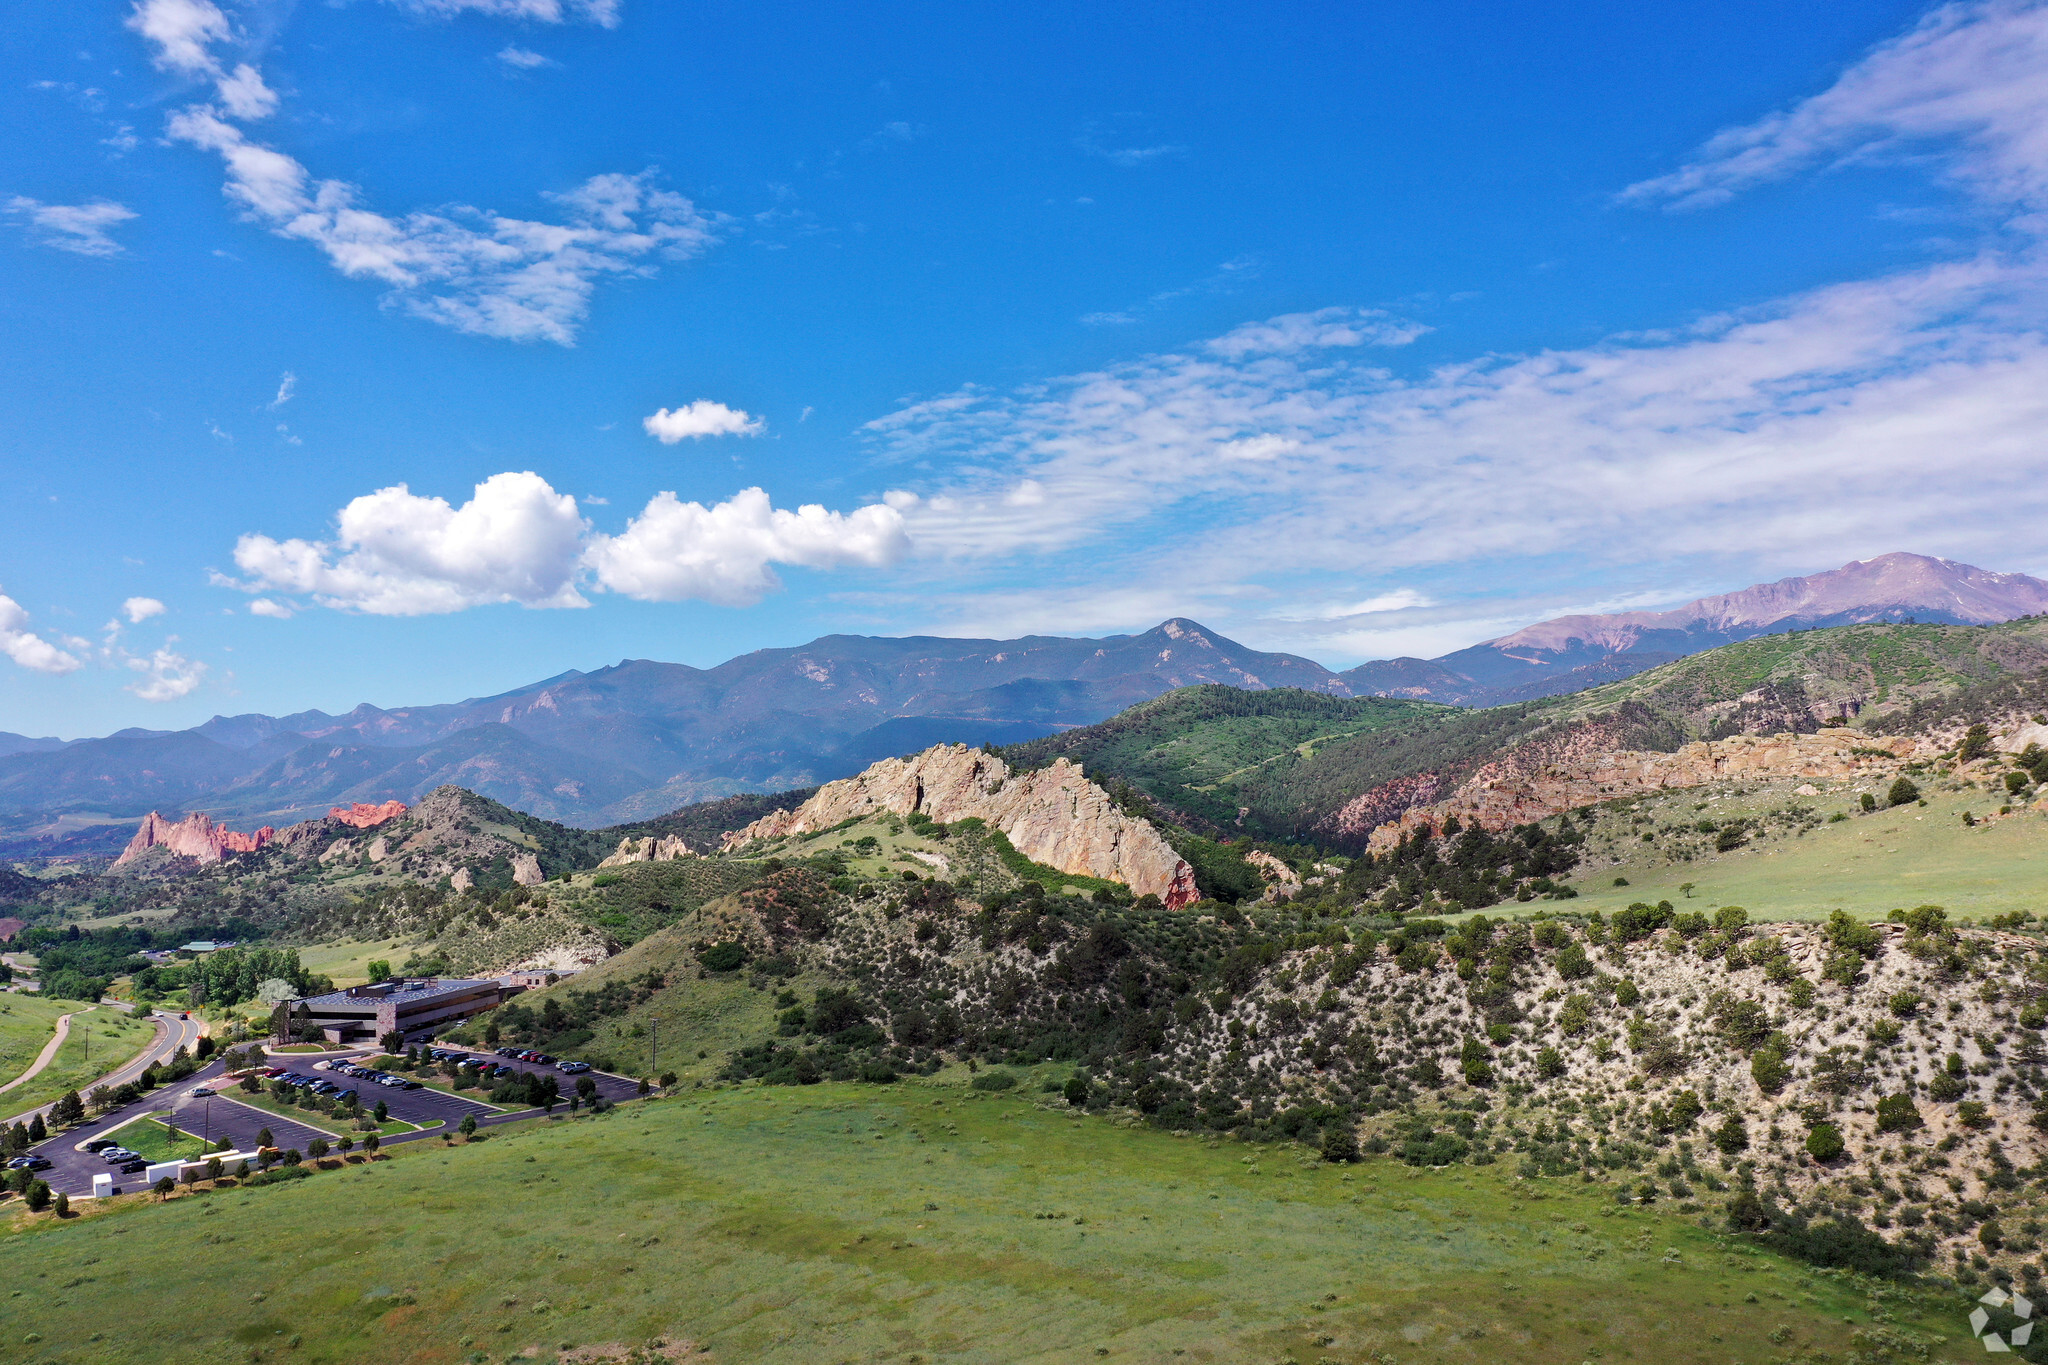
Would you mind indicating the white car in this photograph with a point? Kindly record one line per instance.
(199, 1092)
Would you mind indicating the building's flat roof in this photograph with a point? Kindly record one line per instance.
(408, 992)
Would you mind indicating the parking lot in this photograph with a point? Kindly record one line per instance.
(220, 1116)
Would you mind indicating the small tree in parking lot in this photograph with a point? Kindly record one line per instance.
(317, 1148)
(250, 1084)
(291, 1156)
(346, 1144)
(381, 1113)
(265, 1139)
(393, 1042)
(214, 1168)
(469, 1125)
(371, 1143)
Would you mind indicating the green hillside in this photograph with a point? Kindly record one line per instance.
(920, 1222)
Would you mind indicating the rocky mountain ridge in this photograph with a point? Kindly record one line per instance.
(1054, 816)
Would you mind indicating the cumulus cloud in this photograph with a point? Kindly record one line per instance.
(1970, 80)
(676, 550)
(183, 33)
(698, 420)
(395, 553)
(140, 609)
(244, 95)
(277, 611)
(27, 649)
(167, 674)
(78, 228)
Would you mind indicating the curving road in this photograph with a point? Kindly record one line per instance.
(172, 1033)
(49, 1052)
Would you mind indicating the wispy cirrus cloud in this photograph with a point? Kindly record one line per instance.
(1966, 83)
(81, 229)
(476, 271)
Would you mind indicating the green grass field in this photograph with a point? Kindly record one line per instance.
(98, 1043)
(1866, 865)
(917, 1223)
(26, 1022)
(148, 1136)
(347, 960)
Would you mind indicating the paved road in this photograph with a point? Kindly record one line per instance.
(172, 1033)
(72, 1170)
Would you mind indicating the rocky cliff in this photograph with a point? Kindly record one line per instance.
(1549, 775)
(1053, 815)
(363, 815)
(653, 849)
(195, 836)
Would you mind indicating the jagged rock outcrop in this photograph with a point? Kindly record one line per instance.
(195, 837)
(365, 816)
(1283, 880)
(1547, 776)
(652, 849)
(1054, 815)
(526, 870)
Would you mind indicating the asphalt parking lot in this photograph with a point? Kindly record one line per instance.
(71, 1171)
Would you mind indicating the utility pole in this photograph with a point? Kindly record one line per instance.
(654, 1045)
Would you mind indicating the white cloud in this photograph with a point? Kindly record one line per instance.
(521, 59)
(601, 12)
(1970, 77)
(395, 553)
(244, 95)
(1325, 327)
(700, 419)
(676, 550)
(28, 650)
(1108, 319)
(183, 32)
(1091, 142)
(476, 272)
(140, 609)
(77, 228)
(287, 386)
(465, 268)
(168, 675)
(277, 611)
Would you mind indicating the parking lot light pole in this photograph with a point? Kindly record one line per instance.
(654, 1044)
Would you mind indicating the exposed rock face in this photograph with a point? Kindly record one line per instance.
(650, 850)
(365, 816)
(1544, 777)
(195, 837)
(526, 870)
(1285, 881)
(1054, 816)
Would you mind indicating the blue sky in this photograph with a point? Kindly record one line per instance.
(399, 352)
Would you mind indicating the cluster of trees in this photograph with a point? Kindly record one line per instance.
(1472, 867)
(232, 975)
(564, 1020)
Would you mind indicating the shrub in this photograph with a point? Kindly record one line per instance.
(1867, 801)
(1572, 962)
(1824, 1143)
(1905, 1004)
(1897, 1114)
(1549, 1064)
(1474, 1063)
(1732, 1136)
(1626, 993)
(994, 1080)
(1340, 1141)
(1973, 1114)
(1902, 793)
(723, 957)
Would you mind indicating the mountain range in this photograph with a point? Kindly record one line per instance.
(643, 737)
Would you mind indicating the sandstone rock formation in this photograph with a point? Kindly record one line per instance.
(1545, 777)
(526, 870)
(650, 850)
(1054, 816)
(365, 816)
(1285, 881)
(195, 836)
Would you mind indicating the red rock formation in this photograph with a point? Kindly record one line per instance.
(364, 816)
(195, 836)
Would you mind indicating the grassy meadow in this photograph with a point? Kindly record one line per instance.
(916, 1222)
(1866, 865)
(26, 1023)
(98, 1042)
(148, 1137)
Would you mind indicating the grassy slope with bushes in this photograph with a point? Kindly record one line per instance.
(960, 1225)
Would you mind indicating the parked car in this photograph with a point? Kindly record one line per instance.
(572, 1068)
(116, 1154)
(99, 1144)
(135, 1167)
(408, 1085)
(199, 1092)
(29, 1163)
